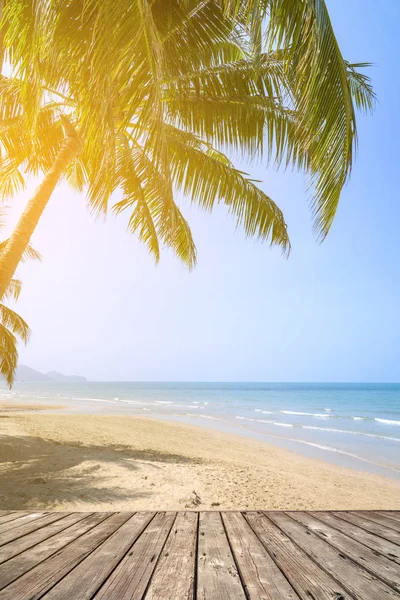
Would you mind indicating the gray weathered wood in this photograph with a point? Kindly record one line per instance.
(388, 549)
(26, 528)
(380, 518)
(306, 577)
(261, 577)
(10, 516)
(372, 526)
(35, 537)
(173, 578)
(375, 563)
(392, 514)
(211, 556)
(217, 575)
(357, 580)
(34, 568)
(22, 520)
(86, 578)
(130, 579)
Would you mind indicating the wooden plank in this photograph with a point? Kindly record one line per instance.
(379, 518)
(307, 578)
(388, 549)
(27, 541)
(26, 528)
(10, 516)
(371, 526)
(173, 578)
(24, 562)
(262, 579)
(217, 575)
(359, 582)
(392, 514)
(87, 577)
(372, 561)
(21, 520)
(131, 577)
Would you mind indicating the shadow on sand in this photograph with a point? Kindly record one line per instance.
(37, 473)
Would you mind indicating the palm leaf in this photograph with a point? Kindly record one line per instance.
(204, 175)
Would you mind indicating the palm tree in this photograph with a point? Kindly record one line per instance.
(148, 96)
(12, 326)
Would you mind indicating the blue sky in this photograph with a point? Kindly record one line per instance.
(99, 307)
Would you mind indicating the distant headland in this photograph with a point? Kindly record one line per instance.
(25, 373)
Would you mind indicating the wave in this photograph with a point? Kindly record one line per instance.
(305, 414)
(94, 400)
(373, 435)
(277, 423)
(358, 418)
(133, 402)
(210, 417)
(388, 421)
(328, 449)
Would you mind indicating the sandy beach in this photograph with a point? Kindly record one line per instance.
(92, 462)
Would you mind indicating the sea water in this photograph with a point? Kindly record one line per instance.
(349, 424)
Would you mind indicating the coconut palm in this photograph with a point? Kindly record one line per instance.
(148, 97)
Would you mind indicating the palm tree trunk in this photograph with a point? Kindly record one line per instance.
(19, 239)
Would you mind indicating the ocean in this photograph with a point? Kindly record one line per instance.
(348, 424)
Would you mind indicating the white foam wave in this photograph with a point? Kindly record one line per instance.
(388, 421)
(373, 435)
(94, 400)
(133, 402)
(283, 424)
(305, 414)
(329, 449)
(210, 417)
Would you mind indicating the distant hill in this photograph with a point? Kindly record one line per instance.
(56, 376)
(25, 373)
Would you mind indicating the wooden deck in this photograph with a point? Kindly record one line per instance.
(206, 555)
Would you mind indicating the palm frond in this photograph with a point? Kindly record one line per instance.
(13, 290)
(144, 194)
(8, 354)
(361, 87)
(205, 177)
(322, 93)
(16, 324)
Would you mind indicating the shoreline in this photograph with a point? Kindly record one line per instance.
(100, 462)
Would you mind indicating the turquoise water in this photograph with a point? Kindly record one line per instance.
(355, 425)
